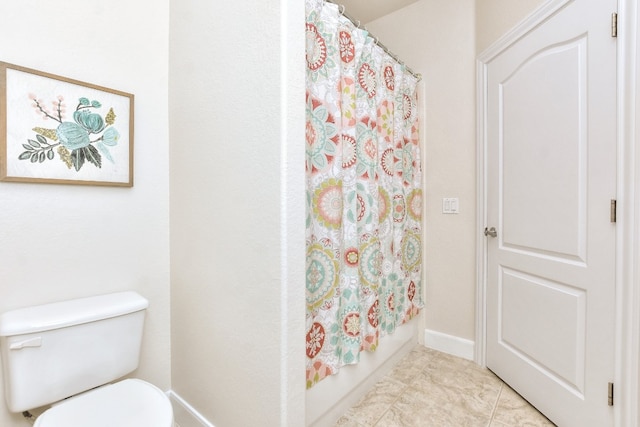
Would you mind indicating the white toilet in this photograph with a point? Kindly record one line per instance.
(67, 354)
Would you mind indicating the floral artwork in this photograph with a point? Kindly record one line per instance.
(72, 140)
(63, 131)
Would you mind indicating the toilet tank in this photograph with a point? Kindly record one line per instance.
(53, 351)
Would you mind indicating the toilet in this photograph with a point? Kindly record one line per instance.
(71, 356)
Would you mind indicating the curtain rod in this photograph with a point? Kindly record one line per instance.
(357, 23)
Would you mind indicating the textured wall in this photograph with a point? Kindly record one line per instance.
(496, 17)
(237, 210)
(59, 242)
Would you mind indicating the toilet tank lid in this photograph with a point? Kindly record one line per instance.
(68, 313)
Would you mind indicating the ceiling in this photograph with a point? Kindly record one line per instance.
(369, 10)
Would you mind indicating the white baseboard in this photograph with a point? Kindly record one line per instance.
(184, 414)
(449, 344)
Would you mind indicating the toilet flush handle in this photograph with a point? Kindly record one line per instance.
(31, 342)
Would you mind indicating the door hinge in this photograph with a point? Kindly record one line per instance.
(614, 24)
(610, 394)
(614, 209)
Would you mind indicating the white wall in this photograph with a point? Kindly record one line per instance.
(496, 17)
(237, 210)
(59, 242)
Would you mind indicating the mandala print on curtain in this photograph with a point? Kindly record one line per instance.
(364, 197)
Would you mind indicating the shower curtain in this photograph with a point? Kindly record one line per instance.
(364, 196)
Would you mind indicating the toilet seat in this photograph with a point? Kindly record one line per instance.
(127, 403)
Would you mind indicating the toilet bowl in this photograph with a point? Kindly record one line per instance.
(127, 403)
(72, 357)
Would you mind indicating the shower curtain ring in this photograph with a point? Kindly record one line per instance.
(342, 8)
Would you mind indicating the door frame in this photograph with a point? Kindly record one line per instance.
(627, 351)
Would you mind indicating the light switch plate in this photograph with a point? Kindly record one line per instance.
(450, 205)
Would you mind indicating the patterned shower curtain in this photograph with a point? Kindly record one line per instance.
(364, 196)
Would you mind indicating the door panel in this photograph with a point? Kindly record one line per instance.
(551, 173)
(526, 330)
(547, 146)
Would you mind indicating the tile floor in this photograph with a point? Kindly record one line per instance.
(428, 388)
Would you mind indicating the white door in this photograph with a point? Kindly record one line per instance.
(551, 174)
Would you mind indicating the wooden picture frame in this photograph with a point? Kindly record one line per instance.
(58, 130)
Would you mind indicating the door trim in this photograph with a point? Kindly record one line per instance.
(627, 359)
(628, 237)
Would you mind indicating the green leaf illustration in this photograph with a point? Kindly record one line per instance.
(84, 154)
(77, 158)
(25, 155)
(92, 155)
(104, 151)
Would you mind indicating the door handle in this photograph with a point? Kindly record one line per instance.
(490, 232)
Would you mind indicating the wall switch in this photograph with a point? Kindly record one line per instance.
(450, 205)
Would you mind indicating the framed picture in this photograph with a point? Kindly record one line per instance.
(59, 130)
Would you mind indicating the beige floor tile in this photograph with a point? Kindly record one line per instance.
(513, 410)
(435, 407)
(471, 388)
(432, 389)
(345, 421)
(390, 419)
(371, 407)
(405, 372)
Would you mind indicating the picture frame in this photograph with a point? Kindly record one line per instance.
(57, 130)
